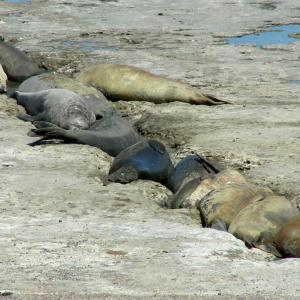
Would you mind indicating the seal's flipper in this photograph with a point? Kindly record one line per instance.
(208, 166)
(159, 147)
(44, 124)
(51, 132)
(125, 174)
(26, 118)
(209, 100)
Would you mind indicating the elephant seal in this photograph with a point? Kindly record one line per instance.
(111, 134)
(16, 64)
(220, 206)
(58, 106)
(3, 80)
(145, 160)
(121, 82)
(94, 99)
(190, 194)
(287, 240)
(259, 222)
(189, 168)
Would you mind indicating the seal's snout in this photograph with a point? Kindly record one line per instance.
(78, 124)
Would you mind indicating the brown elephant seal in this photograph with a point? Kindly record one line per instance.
(121, 82)
(191, 194)
(220, 206)
(94, 99)
(3, 80)
(189, 168)
(58, 106)
(16, 64)
(145, 160)
(287, 240)
(259, 222)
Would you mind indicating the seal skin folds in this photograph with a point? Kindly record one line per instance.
(16, 64)
(287, 240)
(121, 82)
(144, 160)
(58, 106)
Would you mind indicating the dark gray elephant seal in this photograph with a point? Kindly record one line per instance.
(258, 223)
(95, 100)
(111, 134)
(16, 64)
(189, 168)
(144, 160)
(58, 106)
(121, 82)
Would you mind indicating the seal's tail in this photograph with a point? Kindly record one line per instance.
(207, 99)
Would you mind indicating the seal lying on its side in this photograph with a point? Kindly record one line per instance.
(144, 160)
(287, 240)
(259, 222)
(94, 99)
(121, 82)
(111, 134)
(189, 168)
(60, 107)
(220, 206)
(16, 64)
(3, 80)
(192, 193)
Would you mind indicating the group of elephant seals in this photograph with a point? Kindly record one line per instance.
(16, 64)
(3, 80)
(191, 193)
(258, 223)
(58, 106)
(287, 240)
(95, 100)
(111, 135)
(189, 168)
(145, 160)
(122, 82)
(219, 207)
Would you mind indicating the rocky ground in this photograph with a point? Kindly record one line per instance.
(66, 236)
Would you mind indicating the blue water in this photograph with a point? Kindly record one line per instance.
(17, 1)
(294, 81)
(88, 46)
(276, 35)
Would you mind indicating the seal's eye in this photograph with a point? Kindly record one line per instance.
(99, 117)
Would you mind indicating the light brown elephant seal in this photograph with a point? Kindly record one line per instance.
(3, 80)
(219, 207)
(287, 240)
(259, 222)
(121, 82)
(191, 194)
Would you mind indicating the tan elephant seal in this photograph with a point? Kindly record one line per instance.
(3, 80)
(287, 240)
(191, 194)
(121, 82)
(219, 207)
(259, 222)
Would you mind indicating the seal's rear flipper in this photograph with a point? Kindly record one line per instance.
(43, 124)
(26, 118)
(125, 174)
